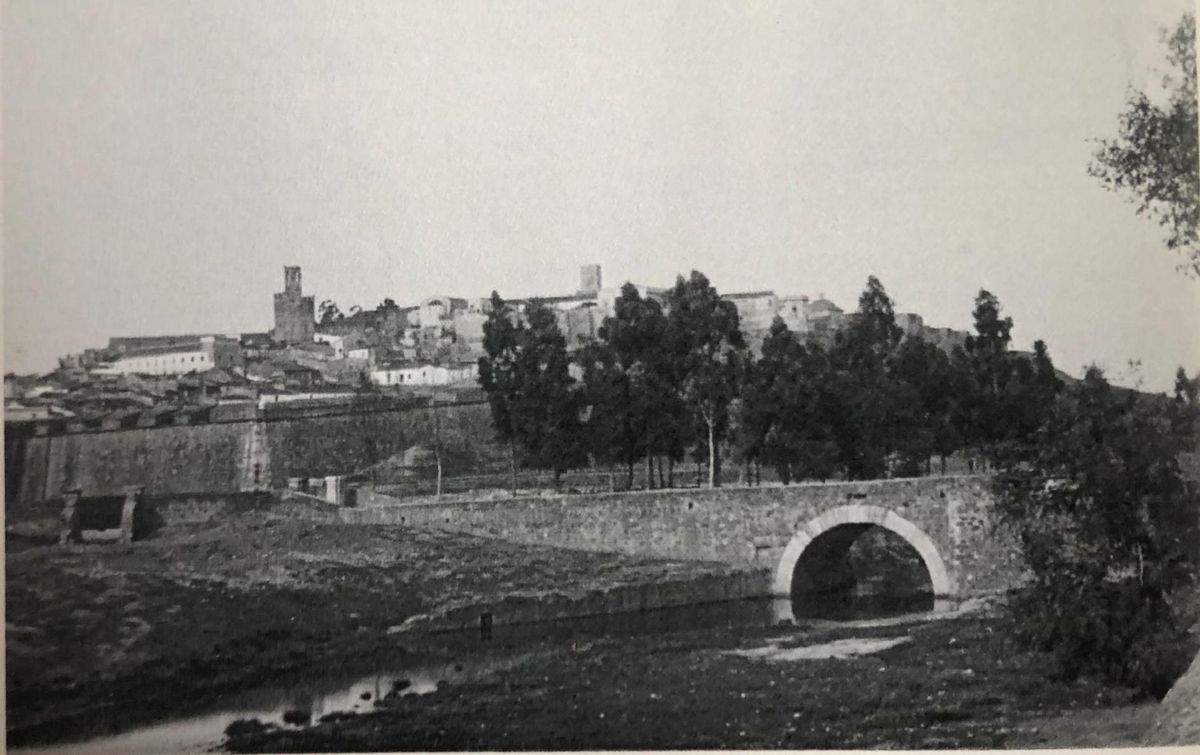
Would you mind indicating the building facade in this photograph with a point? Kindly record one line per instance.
(424, 374)
(204, 354)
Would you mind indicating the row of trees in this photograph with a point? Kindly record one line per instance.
(663, 383)
(1089, 475)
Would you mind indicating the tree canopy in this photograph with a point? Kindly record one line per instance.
(1153, 158)
(1108, 526)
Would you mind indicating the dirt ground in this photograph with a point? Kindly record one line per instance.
(958, 683)
(103, 633)
(100, 633)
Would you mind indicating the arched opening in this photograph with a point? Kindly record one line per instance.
(857, 571)
(858, 561)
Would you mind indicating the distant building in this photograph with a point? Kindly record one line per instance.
(199, 355)
(424, 374)
(589, 279)
(295, 315)
(756, 311)
(255, 345)
(337, 343)
(793, 310)
(128, 344)
(15, 411)
(910, 324)
(468, 332)
(825, 318)
(579, 325)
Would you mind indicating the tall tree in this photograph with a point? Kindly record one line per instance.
(612, 428)
(637, 334)
(526, 376)
(923, 385)
(500, 374)
(986, 359)
(706, 345)
(861, 385)
(1154, 156)
(549, 424)
(781, 418)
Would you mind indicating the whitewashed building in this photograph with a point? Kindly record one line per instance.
(424, 374)
(204, 354)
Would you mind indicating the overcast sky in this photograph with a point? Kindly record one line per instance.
(164, 160)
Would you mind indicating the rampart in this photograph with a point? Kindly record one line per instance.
(255, 450)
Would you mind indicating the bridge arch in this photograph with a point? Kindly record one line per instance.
(861, 514)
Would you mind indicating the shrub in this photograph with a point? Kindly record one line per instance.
(1108, 526)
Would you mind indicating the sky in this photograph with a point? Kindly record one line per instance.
(163, 160)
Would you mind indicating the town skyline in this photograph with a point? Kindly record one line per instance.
(772, 154)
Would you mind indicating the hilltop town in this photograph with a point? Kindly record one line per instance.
(319, 353)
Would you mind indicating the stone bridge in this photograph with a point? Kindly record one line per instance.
(948, 521)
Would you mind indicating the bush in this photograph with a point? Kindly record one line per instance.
(1108, 526)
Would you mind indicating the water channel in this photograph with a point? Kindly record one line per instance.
(450, 658)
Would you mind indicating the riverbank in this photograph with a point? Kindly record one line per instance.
(953, 683)
(101, 637)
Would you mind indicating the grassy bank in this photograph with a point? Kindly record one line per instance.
(100, 636)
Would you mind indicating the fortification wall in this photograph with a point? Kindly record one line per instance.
(225, 457)
(316, 446)
(180, 459)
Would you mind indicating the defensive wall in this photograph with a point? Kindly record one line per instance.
(950, 522)
(236, 449)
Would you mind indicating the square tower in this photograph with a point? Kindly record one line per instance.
(589, 279)
(295, 313)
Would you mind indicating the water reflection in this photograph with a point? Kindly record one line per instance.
(291, 705)
(461, 656)
(848, 605)
(752, 612)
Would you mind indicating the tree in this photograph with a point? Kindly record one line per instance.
(328, 312)
(706, 346)
(1108, 526)
(611, 426)
(860, 384)
(986, 361)
(388, 305)
(1004, 395)
(923, 402)
(551, 430)
(500, 377)
(1154, 156)
(626, 377)
(1027, 400)
(451, 444)
(530, 390)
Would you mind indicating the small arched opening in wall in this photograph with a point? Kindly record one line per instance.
(860, 560)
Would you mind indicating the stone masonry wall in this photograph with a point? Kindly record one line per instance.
(224, 457)
(178, 459)
(748, 526)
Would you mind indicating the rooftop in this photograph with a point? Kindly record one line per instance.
(748, 295)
